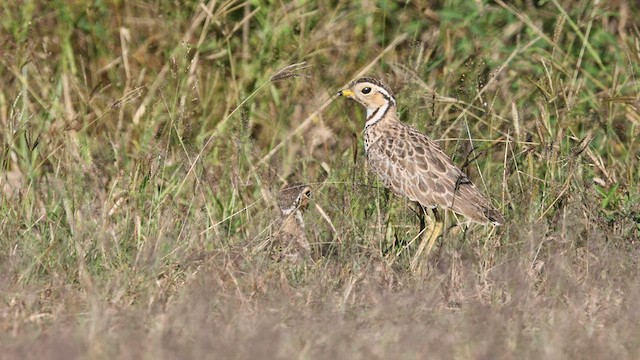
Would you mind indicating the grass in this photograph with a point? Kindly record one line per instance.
(143, 144)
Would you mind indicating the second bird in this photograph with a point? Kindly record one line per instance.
(410, 163)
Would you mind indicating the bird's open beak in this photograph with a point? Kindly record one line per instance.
(346, 93)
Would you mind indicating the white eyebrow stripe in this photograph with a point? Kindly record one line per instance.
(386, 94)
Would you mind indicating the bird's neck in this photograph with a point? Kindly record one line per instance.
(374, 115)
(293, 222)
(299, 219)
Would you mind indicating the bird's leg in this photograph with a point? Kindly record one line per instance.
(428, 237)
(437, 229)
(436, 215)
(421, 213)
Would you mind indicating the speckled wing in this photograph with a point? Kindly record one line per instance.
(412, 165)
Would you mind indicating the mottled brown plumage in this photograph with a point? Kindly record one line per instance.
(291, 240)
(410, 163)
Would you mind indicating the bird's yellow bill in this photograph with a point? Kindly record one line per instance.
(346, 93)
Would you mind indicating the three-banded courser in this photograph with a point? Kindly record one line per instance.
(411, 164)
(292, 243)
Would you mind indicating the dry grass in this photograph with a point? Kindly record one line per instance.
(142, 145)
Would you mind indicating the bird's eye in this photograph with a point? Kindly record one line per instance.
(366, 90)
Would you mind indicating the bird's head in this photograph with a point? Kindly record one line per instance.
(373, 94)
(294, 198)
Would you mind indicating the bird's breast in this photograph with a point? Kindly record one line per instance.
(371, 135)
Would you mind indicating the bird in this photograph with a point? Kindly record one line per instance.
(410, 163)
(292, 243)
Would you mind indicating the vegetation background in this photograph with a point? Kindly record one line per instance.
(142, 145)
